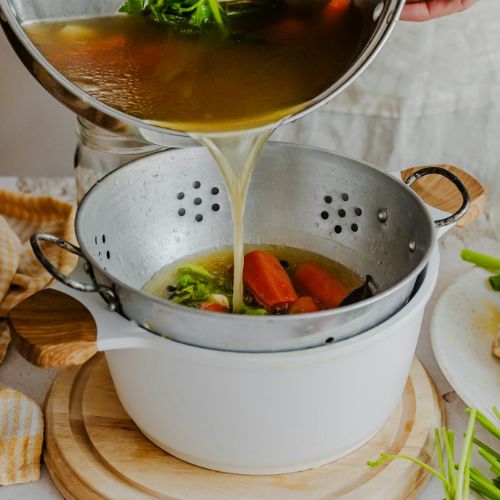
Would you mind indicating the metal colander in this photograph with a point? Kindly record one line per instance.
(173, 204)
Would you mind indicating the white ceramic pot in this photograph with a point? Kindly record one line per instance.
(254, 413)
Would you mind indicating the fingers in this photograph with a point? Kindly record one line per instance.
(432, 9)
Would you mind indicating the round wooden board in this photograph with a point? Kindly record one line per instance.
(94, 450)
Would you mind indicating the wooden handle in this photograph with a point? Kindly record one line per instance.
(52, 330)
(439, 192)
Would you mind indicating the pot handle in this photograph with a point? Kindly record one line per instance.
(466, 201)
(106, 292)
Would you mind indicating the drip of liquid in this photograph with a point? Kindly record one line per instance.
(236, 156)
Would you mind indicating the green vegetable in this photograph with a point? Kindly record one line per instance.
(459, 479)
(486, 262)
(253, 310)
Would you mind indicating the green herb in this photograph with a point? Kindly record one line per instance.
(194, 284)
(458, 479)
(253, 310)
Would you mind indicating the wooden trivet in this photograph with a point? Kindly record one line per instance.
(94, 450)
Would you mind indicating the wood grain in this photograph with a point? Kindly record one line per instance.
(52, 329)
(439, 192)
(93, 449)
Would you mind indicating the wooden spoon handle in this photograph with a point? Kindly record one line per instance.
(439, 192)
(51, 330)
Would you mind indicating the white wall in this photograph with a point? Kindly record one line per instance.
(37, 134)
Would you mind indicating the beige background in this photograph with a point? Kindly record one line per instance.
(37, 134)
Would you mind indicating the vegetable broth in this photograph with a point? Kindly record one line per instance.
(220, 264)
(269, 66)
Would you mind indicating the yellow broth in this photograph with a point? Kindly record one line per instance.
(270, 65)
(219, 263)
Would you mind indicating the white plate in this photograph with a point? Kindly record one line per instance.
(464, 323)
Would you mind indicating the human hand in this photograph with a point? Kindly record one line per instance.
(432, 9)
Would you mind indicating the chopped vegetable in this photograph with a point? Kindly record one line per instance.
(213, 307)
(304, 305)
(193, 13)
(195, 285)
(268, 281)
(320, 284)
(253, 310)
(365, 291)
(481, 260)
(459, 479)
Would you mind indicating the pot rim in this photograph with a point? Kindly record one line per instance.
(248, 318)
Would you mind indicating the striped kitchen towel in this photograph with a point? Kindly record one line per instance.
(21, 438)
(21, 275)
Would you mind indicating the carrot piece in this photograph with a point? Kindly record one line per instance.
(320, 284)
(304, 305)
(335, 9)
(213, 307)
(268, 281)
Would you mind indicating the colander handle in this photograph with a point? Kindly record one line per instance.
(466, 201)
(105, 291)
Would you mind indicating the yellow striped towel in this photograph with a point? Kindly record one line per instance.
(21, 438)
(21, 275)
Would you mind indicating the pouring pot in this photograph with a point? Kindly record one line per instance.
(170, 205)
(379, 18)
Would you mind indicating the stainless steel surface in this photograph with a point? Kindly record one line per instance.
(130, 226)
(379, 18)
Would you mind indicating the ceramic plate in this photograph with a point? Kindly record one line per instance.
(464, 323)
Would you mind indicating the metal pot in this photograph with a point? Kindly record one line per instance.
(170, 205)
(379, 18)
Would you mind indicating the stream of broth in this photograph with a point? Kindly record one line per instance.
(271, 66)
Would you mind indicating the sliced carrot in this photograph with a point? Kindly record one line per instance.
(320, 284)
(304, 305)
(335, 9)
(267, 280)
(213, 307)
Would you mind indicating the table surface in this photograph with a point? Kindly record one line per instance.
(17, 373)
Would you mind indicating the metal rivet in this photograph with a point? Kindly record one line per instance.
(100, 255)
(354, 228)
(96, 240)
(329, 340)
(338, 229)
(215, 207)
(345, 197)
(215, 191)
(180, 196)
(412, 246)
(358, 211)
(181, 212)
(198, 217)
(328, 199)
(341, 212)
(197, 184)
(108, 255)
(325, 215)
(382, 215)
(197, 201)
(104, 238)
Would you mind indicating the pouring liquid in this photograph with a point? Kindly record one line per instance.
(236, 157)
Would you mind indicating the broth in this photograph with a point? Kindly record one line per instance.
(271, 66)
(219, 263)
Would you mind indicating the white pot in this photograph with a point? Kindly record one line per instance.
(254, 413)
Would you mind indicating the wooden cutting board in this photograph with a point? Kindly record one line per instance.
(94, 450)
